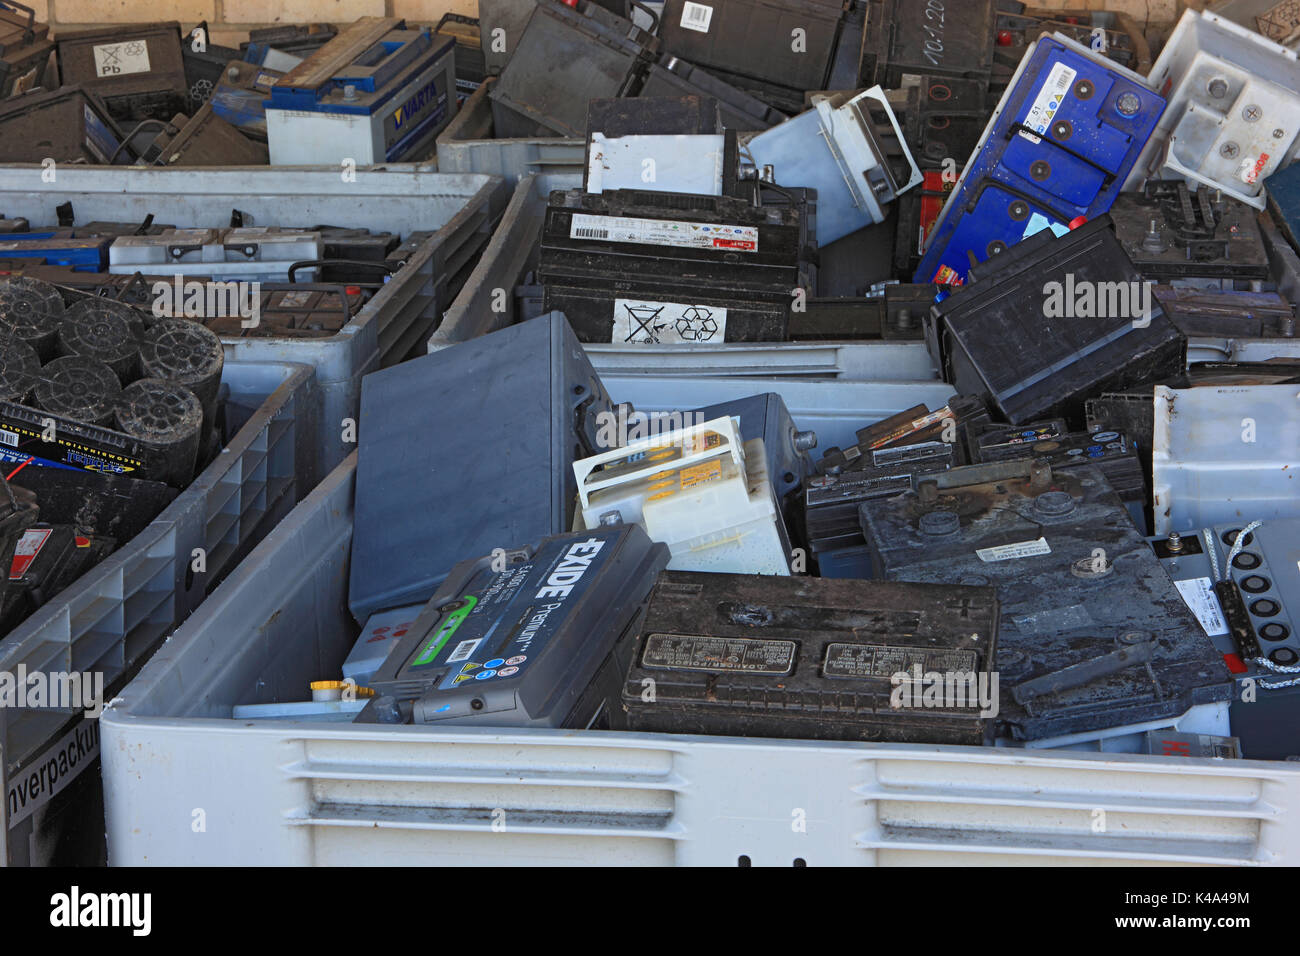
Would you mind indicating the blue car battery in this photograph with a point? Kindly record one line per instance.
(1057, 150)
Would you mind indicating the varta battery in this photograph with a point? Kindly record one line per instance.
(25, 49)
(670, 76)
(376, 92)
(1056, 150)
(1095, 636)
(67, 125)
(427, 495)
(1050, 322)
(205, 140)
(634, 266)
(1243, 584)
(699, 490)
(938, 37)
(850, 150)
(566, 56)
(749, 656)
(240, 97)
(781, 43)
(531, 637)
(1234, 97)
(137, 68)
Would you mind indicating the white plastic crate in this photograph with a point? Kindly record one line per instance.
(467, 146)
(112, 617)
(460, 209)
(291, 792)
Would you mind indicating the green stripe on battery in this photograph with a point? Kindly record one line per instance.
(449, 627)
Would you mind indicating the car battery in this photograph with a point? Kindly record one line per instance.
(1050, 322)
(766, 417)
(531, 637)
(204, 140)
(25, 48)
(1233, 95)
(379, 635)
(67, 125)
(355, 255)
(1095, 636)
(138, 69)
(830, 501)
(96, 503)
(471, 68)
(295, 310)
(912, 426)
(751, 656)
(501, 24)
(849, 149)
(58, 248)
(375, 93)
(47, 558)
(1110, 452)
(936, 37)
(18, 512)
(1173, 744)
(205, 62)
(700, 165)
(942, 121)
(671, 76)
(1209, 312)
(403, 546)
(699, 490)
(838, 318)
(1224, 453)
(787, 45)
(240, 97)
(634, 266)
(284, 47)
(1113, 34)
(1172, 232)
(845, 71)
(564, 57)
(1243, 585)
(250, 253)
(1056, 150)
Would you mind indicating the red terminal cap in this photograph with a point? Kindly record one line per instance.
(81, 542)
(1078, 221)
(352, 290)
(1004, 38)
(1235, 664)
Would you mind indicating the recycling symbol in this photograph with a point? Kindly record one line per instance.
(696, 324)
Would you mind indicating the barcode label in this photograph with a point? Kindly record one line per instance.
(696, 16)
(665, 232)
(463, 650)
(8, 438)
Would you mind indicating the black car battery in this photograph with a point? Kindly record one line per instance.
(205, 61)
(18, 512)
(566, 56)
(636, 266)
(1095, 639)
(203, 140)
(672, 76)
(67, 125)
(1051, 321)
(812, 658)
(1230, 314)
(138, 69)
(936, 37)
(1111, 452)
(471, 68)
(538, 636)
(25, 48)
(47, 558)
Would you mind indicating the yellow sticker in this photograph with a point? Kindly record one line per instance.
(661, 454)
(698, 474)
(661, 484)
(662, 494)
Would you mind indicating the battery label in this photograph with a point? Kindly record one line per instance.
(697, 17)
(701, 474)
(643, 322)
(697, 652)
(665, 232)
(1006, 552)
(877, 660)
(25, 552)
(8, 438)
(119, 59)
(1049, 98)
(1198, 594)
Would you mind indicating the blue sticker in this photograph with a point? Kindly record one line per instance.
(485, 675)
(495, 662)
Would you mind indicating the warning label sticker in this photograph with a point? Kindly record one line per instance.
(1198, 594)
(878, 660)
(696, 652)
(119, 59)
(1007, 552)
(701, 473)
(25, 552)
(643, 322)
(1050, 96)
(665, 232)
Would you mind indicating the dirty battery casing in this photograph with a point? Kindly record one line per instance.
(1095, 637)
(536, 636)
(812, 658)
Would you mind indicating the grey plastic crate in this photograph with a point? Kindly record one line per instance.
(461, 209)
(467, 146)
(112, 617)
(294, 792)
